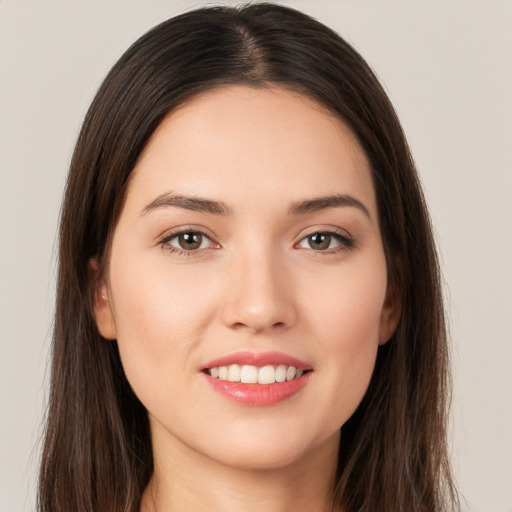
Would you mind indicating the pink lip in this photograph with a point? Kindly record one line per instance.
(258, 359)
(258, 395)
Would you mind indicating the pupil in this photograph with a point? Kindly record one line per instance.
(190, 240)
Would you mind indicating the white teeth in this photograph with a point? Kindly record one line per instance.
(281, 373)
(248, 374)
(266, 375)
(290, 373)
(234, 373)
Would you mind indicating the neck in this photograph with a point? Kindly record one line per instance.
(185, 480)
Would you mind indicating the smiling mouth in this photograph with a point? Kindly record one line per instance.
(249, 374)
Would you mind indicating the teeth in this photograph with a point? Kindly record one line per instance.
(234, 373)
(281, 373)
(248, 374)
(290, 373)
(266, 375)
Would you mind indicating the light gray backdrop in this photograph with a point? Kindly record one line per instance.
(447, 65)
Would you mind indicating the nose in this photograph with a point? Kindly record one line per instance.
(260, 294)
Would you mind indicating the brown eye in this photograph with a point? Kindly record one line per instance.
(319, 241)
(327, 241)
(190, 241)
(187, 241)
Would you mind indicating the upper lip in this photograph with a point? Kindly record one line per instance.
(258, 359)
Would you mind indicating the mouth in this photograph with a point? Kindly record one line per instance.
(249, 374)
(257, 379)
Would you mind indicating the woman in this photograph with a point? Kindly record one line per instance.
(249, 311)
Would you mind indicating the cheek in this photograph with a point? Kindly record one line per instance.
(348, 335)
(346, 305)
(157, 322)
(345, 320)
(158, 305)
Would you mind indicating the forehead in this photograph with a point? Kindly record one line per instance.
(268, 143)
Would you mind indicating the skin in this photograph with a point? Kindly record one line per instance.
(255, 283)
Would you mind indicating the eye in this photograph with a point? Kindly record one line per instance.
(187, 242)
(326, 242)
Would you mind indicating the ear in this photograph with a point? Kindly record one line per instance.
(101, 304)
(390, 314)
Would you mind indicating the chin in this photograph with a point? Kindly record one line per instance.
(270, 447)
(255, 458)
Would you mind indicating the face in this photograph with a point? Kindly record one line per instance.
(248, 248)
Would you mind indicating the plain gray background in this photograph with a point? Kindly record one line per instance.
(447, 65)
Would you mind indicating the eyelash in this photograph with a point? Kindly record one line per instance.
(346, 242)
(165, 242)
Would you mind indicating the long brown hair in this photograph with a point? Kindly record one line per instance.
(97, 453)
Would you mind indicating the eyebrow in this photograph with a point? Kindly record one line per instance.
(197, 204)
(323, 203)
(200, 204)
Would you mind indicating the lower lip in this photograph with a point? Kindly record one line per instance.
(258, 395)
